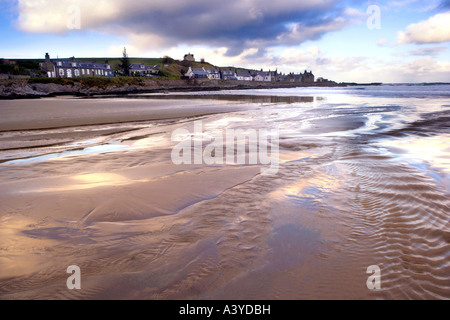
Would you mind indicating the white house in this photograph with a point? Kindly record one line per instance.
(73, 69)
(213, 74)
(142, 70)
(228, 75)
(244, 76)
(202, 73)
(263, 76)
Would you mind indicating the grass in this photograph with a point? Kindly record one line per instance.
(22, 67)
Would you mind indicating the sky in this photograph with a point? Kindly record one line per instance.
(390, 41)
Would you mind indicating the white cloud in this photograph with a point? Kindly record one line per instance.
(382, 42)
(50, 16)
(426, 66)
(359, 68)
(298, 32)
(431, 51)
(356, 16)
(434, 30)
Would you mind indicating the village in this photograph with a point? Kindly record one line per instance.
(189, 69)
(227, 74)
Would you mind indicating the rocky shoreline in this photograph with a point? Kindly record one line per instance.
(27, 90)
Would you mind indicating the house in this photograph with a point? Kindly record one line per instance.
(202, 73)
(227, 75)
(323, 80)
(197, 73)
(56, 68)
(306, 77)
(274, 75)
(189, 57)
(213, 74)
(295, 77)
(281, 77)
(263, 76)
(244, 76)
(142, 70)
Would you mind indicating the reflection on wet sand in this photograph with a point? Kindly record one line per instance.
(433, 150)
(363, 180)
(91, 180)
(240, 98)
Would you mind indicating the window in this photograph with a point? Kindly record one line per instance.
(88, 71)
(82, 72)
(77, 73)
(74, 64)
(61, 72)
(59, 63)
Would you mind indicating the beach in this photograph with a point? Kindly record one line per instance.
(362, 180)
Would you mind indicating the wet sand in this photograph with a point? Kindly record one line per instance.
(90, 182)
(69, 112)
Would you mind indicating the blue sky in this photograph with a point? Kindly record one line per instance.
(329, 37)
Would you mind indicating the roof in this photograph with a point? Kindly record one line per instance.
(81, 64)
(243, 74)
(197, 70)
(136, 66)
(202, 73)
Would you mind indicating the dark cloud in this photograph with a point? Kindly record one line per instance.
(445, 5)
(234, 24)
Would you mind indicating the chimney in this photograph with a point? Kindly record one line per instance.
(47, 56)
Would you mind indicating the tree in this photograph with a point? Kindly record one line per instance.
(125, 63)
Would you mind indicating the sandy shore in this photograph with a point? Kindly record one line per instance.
(91, 182)
(68, 197)
(67, 112)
